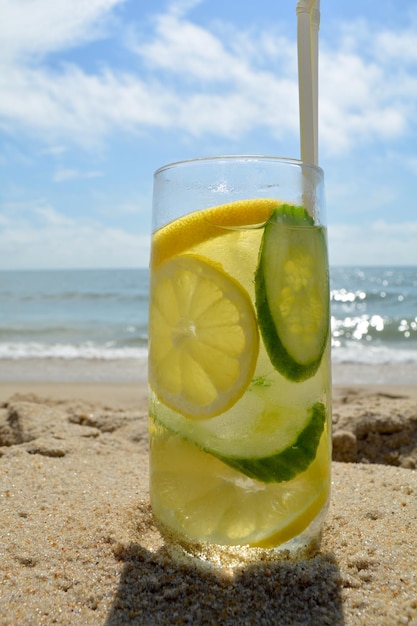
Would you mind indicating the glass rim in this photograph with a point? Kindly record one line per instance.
(247, 158)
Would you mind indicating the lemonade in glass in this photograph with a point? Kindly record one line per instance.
(239, 360)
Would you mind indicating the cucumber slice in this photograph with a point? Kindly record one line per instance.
(258, 438)
(292, 292)
(291, 461)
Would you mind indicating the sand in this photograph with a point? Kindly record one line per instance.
(78, 545)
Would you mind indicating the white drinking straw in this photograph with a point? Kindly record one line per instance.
(308, 13)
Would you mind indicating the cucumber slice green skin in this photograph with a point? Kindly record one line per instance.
(291, 461)
(280, 358)
(279, 467)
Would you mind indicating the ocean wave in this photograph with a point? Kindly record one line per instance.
(87, 351)
(99, 334)
(67, 296)
(355, 352)
(350, 353)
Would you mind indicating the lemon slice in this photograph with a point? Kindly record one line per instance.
(194, 228)
(203, 337)
(197, 495)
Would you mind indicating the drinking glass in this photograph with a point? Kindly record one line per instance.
(239, 359)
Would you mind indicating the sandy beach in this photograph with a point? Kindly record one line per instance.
(78, 545)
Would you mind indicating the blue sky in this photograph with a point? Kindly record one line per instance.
(94, 96)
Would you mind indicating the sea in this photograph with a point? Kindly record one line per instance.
(91, 325)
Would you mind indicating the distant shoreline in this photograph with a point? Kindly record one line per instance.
(133, 394)
(134, 371)
(146, 268)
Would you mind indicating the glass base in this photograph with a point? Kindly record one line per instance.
(304, 546)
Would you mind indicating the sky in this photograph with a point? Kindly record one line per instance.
(95, 96)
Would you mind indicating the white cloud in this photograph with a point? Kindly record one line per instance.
(376, 243)
(199, 80)
(396, 47)
(130, 208)
(226, 78)
(60, 242)
(55, 151)
(50, 217)
(78, 106)
(246, 81)
(36, 28)
(411, 164)
(187, 49)
(70, 103)
(180, 7)
(359, 103)
(64, 174)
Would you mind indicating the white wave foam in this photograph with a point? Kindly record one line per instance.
(88, 351)
(373, 355)
(349, 353)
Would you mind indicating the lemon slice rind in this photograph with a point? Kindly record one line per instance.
(204, 339)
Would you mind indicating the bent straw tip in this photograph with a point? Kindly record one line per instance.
(306, 6)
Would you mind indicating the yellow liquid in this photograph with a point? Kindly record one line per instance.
(211, 509)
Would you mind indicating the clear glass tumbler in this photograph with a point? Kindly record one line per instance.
(239, 358)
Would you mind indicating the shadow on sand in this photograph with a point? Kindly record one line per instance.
(155, 589)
